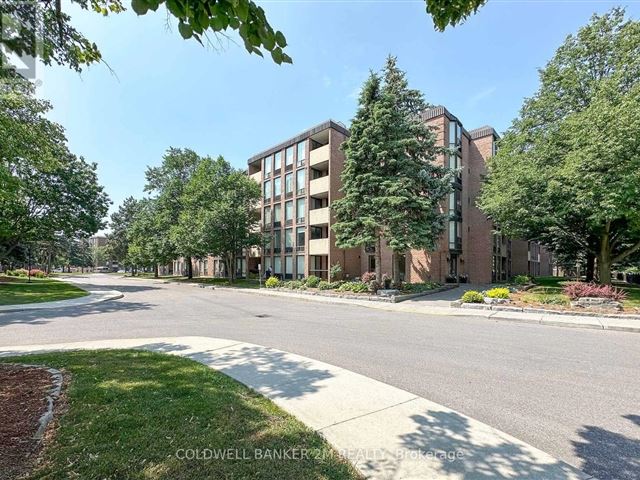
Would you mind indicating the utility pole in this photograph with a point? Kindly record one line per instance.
(29, 258)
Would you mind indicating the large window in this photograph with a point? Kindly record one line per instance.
(455, 134)
(266, 218)
(267, 190)
(301, 153)
(277, 266)
(455, 203)
(288, 212)
(300, 185)
(277, 214)
(300, 210)
(277, 187)
(266, 166)
(300, 266)
(300, 234)
(277, 241)
(288, 157)
(288, 266)
(288, 184)
(455, 235)
(288, 240)
(277, 162)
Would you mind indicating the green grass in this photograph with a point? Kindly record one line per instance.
(130, 412)
(39, 290)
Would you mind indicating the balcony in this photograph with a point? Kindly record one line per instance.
(257, 177)
(319, 187)
(319, 156)
(319, 246)
(319, 216)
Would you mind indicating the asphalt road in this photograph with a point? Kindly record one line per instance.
(570, 392)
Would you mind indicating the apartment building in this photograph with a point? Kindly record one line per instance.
(300, 178)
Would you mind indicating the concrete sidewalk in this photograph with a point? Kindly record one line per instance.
(423, 305)
(386, 432)
(95, 296)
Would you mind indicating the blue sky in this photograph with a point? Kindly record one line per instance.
(171, 92)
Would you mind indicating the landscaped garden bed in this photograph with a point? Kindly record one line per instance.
(137, 414)
(559, 295)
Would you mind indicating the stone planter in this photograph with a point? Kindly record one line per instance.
(495, 301)
(595, 303)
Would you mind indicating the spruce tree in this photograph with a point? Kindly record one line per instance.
(392, 185)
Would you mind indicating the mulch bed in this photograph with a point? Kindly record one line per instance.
(23, 400)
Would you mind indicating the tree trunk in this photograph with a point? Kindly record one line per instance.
(231, 271)
(189, 268)
(156, 274)
(378, 257)
(396, 270)
(590, 268)
(604, 260)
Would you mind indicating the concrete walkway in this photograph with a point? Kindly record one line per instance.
(387, 433)
(95, 296)
(425, 305)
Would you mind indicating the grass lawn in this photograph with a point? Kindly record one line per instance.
(18, 292)
(130, 413)
(549, 292)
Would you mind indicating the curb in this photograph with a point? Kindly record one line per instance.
(356, 414)
(95, 296)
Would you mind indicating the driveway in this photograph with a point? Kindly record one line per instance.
(572, 393)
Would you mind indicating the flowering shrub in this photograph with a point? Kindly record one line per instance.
(576, 290)
(368, 277)
(36, 272)
(498, 293)
(472, 296)
(272, 282)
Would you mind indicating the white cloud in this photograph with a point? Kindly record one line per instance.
(481, 95)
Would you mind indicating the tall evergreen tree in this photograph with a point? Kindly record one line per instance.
(392, 185)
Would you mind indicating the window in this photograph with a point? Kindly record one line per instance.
(300, 234)
(277, 241)
(277, 214)
(288, 212)
(266, 218)
(288, 240)
(372, 263)
(288, 266)
(455, 203)
(266, 166)
(277, 266)
(301, 153)
(288, 157)
(205, 267)
(277, 187)
(267, 245)
(300, 210)
(267, 190)
(455, 235)
(455, 134)
(267, 263)
(300, 266)
(288, 184)
(277, 162)
(241, 267)
(300, 186)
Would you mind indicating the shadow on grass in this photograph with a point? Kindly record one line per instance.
(135, 414)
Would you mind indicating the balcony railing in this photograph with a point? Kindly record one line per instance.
(319, 216)
(319, 246)
(319, 155)
(319, 186)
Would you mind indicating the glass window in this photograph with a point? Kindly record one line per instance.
(300, 238)
(267, 189)
(452, 234)
(288, 211)
(266, 218)
(455, 134)
(300, 209)
(288, 239)
(266, 165)
(288, 156)
(301, 152)
(277, 239)
(288, 183)
(267, 263)
(277, 213)
(288, 266)
(452, 203)
(300, 180)
(277, 186)
(277, 161)
(277, 265)
(300, 266)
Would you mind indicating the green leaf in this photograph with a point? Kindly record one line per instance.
(140, 6)
(185, 30)
(280, 40)
(242, 10)
(276, 54)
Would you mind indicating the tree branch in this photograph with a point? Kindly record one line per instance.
(625, 254)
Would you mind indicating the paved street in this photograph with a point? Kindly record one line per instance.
(572, 393)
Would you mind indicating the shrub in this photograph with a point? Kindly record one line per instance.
(521, 280)
(419, 287)
(335, 271)
(36, 272)
(355, 287)
(18, 272)
(367, 277)
(373, 285)
(272, 282)
(576, 290)
(336, 285)
(295, 284)
(324, 285)
(498, 293)
(312, 281)
(472, 296)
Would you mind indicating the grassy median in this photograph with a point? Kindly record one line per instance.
(17, 291)
(136, 414)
